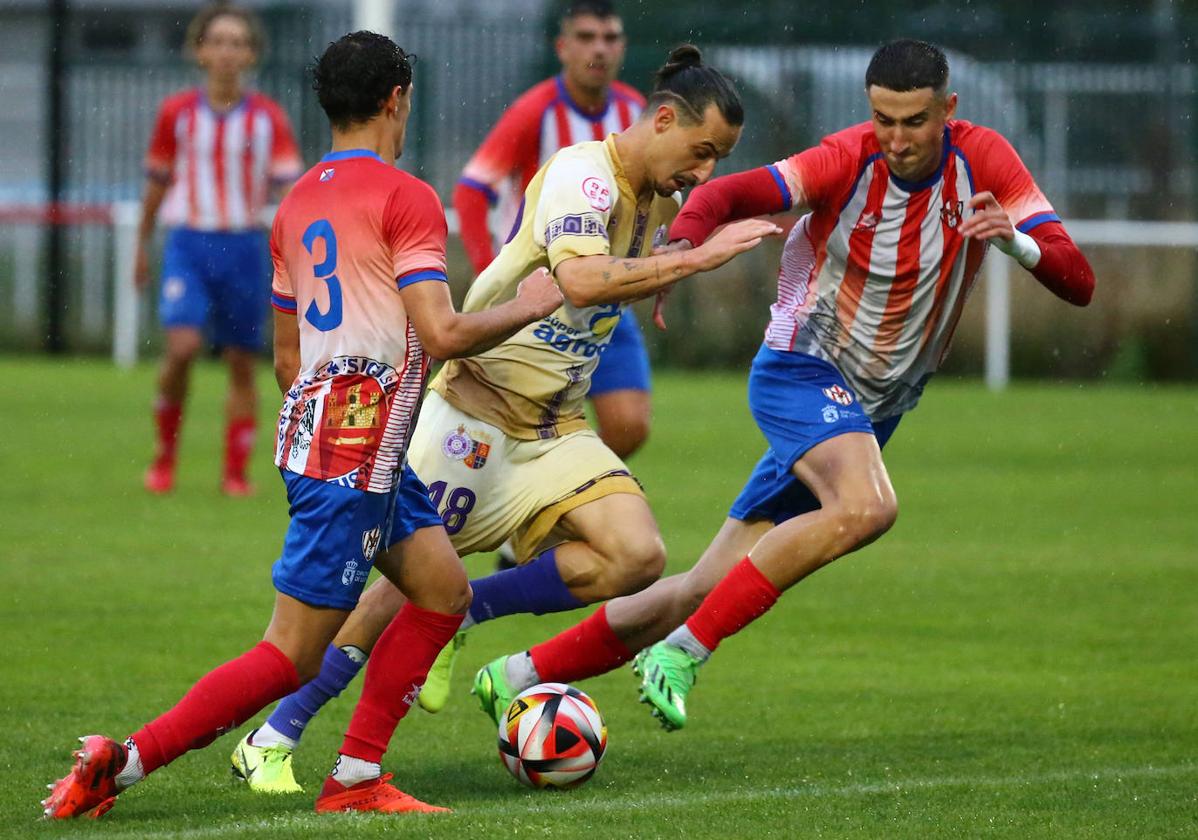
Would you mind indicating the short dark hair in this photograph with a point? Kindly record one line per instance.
(908, 64)
(198, 27)
(690, 85)
(601, 9)
(357, 73)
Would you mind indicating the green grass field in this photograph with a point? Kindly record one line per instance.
(1017, 658)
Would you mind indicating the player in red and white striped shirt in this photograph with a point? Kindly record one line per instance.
(216, 152)
(584, 102)
(900, 211)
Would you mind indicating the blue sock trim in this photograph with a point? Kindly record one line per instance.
(536, 587)
(291, 716)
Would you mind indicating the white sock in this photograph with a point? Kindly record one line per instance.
(519, 671)
(349, 771)
(267, 736)
(132, 772)
(685, 639)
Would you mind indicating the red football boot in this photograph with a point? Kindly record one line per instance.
(373, 795)
(160, 477)
(90, 788)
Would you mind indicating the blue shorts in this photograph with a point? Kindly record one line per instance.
(218, 280)
(625, 363)
(335, 533)
(798, 401)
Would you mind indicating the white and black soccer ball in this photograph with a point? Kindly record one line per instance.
(552, 736)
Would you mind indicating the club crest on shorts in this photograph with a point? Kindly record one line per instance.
(370, 542)
(831, 414)
(838, 395)
(456, 445)
(459, 446)
(352, 574)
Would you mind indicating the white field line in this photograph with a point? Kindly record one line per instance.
(623, 803)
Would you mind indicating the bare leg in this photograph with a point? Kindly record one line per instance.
(649, 615)
(607, 561)
(242, 400)
(183, 344)
(623, 419)
(857, 505)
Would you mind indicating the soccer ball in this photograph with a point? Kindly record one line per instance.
(552, 736)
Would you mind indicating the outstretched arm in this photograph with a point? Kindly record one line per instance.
(449, 334)
(1047, 251)
(742, 195)
(593, 280)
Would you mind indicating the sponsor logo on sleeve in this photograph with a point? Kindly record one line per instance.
(578, 224)
(598, 193)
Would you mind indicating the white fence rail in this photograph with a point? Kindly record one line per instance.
(1085, 232)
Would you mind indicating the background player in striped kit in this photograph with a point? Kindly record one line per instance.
(872, 284)
(584, 102)
(215, 154)
(359, 291)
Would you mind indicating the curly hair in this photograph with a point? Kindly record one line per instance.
(357, 73)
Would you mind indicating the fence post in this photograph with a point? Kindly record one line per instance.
(125, 217)
(998, 320)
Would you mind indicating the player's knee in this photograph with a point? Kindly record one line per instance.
(460, 598)
(864, 520)
(639, 563)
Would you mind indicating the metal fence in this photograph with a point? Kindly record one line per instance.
(1104, 141)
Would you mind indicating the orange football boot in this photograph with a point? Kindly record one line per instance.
(90, 788)
(373, 795)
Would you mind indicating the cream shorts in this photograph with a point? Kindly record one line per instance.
(489, 487)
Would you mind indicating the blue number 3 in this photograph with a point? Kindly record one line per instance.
(324, 321)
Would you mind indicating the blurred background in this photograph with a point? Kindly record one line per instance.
(1098, 97)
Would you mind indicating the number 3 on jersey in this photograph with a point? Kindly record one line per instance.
(324, 270)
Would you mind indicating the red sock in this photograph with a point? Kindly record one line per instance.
(742, 597)
(168, 416)
(223, 699)
(239, 442)
(397, 667)
(587, 649)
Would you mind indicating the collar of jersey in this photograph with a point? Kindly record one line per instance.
(617, 166)
(576, 108)
(916, 186)
(350, 154)
(220, 115)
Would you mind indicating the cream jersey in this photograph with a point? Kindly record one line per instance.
(579, 204)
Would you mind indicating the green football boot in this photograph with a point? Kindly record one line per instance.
(434, 694)
(667, 675)
(265, 769)
(491, 688)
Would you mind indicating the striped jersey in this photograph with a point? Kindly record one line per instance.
(533, 384)
(352, 232)
(875, 277)
(533, 128)
(220, 164)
